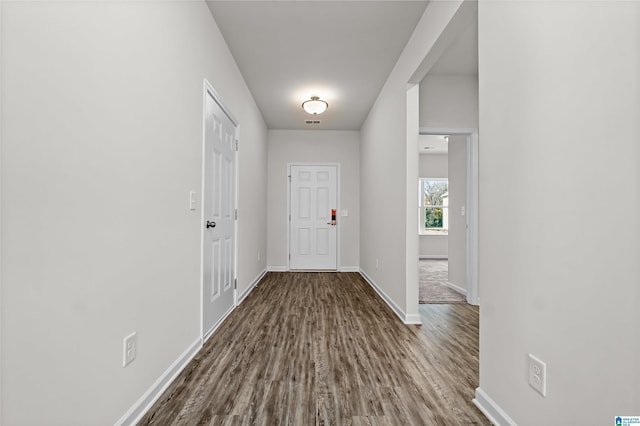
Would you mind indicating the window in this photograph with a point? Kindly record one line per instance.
(434, 206)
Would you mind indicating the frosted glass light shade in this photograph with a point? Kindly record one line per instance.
(315, 105)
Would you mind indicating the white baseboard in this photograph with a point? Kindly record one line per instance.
(212, 330)
(456, 288)
(491, 410)
(433, 256)
(340, 269)
(152, 394)
(407, 319)
(147, 400)
(413, 319)
(249, 289)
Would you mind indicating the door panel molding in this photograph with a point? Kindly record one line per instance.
(218, 225)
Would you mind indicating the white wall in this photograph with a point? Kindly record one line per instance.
(101, 142)
(449, 101)
(313, 146)
(434, 166)
(559, 108)
(389, 194)
(457, 201)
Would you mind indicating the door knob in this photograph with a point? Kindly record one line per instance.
(211, 224)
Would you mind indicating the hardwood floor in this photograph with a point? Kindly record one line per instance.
(323, 349)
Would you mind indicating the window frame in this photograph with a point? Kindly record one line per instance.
(422, 209)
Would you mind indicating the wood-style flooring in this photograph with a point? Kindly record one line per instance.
(323, 349)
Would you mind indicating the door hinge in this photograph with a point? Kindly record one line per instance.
(236, 144)
(236, 214)
(289, 256)
(289, 178)
(289, 218)
(235, 283)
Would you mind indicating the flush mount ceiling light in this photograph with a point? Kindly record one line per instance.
(315, 105)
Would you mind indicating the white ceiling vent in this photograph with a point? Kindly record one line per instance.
(312, 121)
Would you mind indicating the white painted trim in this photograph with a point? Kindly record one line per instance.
(349, 269)
(206, 87)
(407, 319)
(412, 217)
(217, 324)
(339, 221)
(472, 218)
(146, 401)
(1, 203)
(456, 288)
(236, 187)
(253, 285)
(447, 130)
(413, 319)
(434, 256)
(399, 312)
(218, 99)
(491, 410)
(277, 269)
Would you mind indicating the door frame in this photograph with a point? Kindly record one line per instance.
(288, 216)
(208, 88)
(472, 203)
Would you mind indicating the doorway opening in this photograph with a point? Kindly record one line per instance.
(448, 213)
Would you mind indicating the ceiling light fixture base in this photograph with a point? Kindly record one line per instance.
(315, 105)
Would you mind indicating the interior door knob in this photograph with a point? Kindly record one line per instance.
(211, 224)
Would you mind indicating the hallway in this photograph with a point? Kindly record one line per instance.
(324, 349)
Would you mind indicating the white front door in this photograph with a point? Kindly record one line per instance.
(218, 237)
(313, 233)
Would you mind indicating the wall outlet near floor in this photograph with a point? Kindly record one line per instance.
(129, 349)
(537, 375)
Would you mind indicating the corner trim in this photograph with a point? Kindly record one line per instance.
(349, 269)
(491, 410)
(249, 289)
(406, 319)
(146, 401)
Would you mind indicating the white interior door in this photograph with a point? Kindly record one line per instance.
(313, 235)
(218, 214)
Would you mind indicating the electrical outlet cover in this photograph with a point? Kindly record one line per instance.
(538, 375)
(129, 349)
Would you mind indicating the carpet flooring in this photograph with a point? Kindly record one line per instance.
(434, 274)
